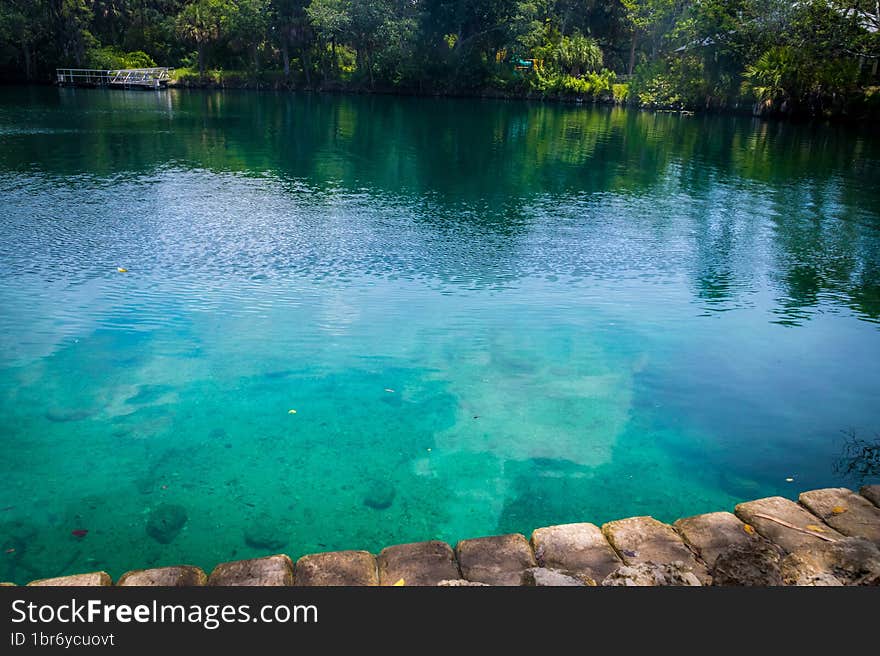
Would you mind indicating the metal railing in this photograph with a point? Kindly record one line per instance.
(126, 77)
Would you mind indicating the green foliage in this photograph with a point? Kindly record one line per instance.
(596, 85)
(113, 57)
(773, 77)
(331, 18)
(784, 77)
(577, 53)
(792, 57)
(200, 23)
(247, 22)
(677, 83)
(651, 86)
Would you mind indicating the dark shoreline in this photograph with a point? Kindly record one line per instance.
(494, 94)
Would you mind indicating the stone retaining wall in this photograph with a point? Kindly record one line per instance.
(831, 537)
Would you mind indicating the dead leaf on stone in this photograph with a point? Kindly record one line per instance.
(813, 527)
(748, 528)
(399, 583)
(837, 510)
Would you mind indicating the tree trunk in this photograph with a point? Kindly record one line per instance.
(335, 58)
(255, 53)
(201, 51)
(632, 56)
(324, 71)
(26, 51)
(306, 60)
(285, 56)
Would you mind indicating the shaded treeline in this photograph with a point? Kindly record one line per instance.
(813, 57)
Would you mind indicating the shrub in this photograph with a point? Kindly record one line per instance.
(784, 79)
(675, 83)
(113, 57)
(593, 85)
(577, 53)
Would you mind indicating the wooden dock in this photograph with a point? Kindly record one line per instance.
(125, 78)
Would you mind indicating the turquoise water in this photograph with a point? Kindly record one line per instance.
(488, 317)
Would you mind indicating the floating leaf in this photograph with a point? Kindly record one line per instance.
(121, 270)
(789, 480)
(399, 582)
(748, 528)
(837, 510)
(389, 390)
(291, 411)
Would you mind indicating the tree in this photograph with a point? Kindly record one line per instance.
(248, 22)
(865, 13)
(290, 22)
(69, 21)
(578, 53)
(644, 17)
(332, 21)
(369, 30)
(200, 23)
(812, 67)
(20, 27)
(810, 55)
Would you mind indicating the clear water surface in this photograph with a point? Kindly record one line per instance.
(488, 317)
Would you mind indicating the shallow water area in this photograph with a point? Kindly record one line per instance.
(487, 317)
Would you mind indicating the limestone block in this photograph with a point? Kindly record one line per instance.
(711, 534)
(652, 574)
(419, 563)
(461, 583)
(497, 560)
(849, 561)
(783, 514)
(871, 493)
(845, 511)
(554, 578)
(755, 563)
(177, 576)
(337, 568)
(271, 570)
(577, 548)
(645, 540)
(91, 579)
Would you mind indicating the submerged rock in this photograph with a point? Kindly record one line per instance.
(61, 415)
(264, 533)
(752, 564)
(147, 394)
(165, 522)
(15, 538)
(379, 495)
(651, 574)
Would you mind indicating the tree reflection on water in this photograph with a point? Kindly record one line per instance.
(860, 458)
